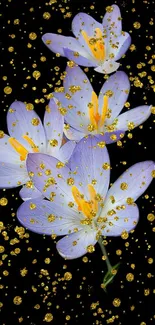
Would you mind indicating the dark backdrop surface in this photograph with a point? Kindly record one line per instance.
(33, 285)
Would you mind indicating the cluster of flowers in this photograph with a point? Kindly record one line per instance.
(65, 186)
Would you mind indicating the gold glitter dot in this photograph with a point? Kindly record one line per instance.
(32, 206)
(124, 235)
(1, 134)
(32, 36)
(124, 186)
(29, 107)
(51, 217)
(109, 9)
(7, 90)
(119, 252)
(153, 109)
(85, 259)
(46, 15)
(11, 49)
(53, 142)
(36, 74)
(60, 165)
(3, 201)
(48, 317)
(150, 260)
(136, 25)
(2, 249)
(17, 300)
(153, 173)
(70, 181)
(35, 121)
(106, 166)
(116, 302)
(101, 144)
(68, 276)
(146, 292)
(130, 277)
(90, 249)
(150, 217)
(43, 59)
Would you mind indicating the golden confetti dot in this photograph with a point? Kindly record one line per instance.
(51, 218)
(11, 49)
(150, 217)
(90, 249)
(29, 107)
(130, 277)
(7, 90)
(68, 317)
(36, 74)
(109, 9)
(146, 292)
(150, 260)
(46, 15)
(101, 144)
(70, 181)
(53, 142)
(85, 259)
(136, 25)
(32, 36)
(3, 201)
(68, 276)
(35, 121)
(32, 206)
(48, 317)
(16, 22)
(153, 109)
(119, 252)
(17, 300)
(116, 302)
(43, 59)
(153, 173)
(124, 186)
(1, 134)
(124, 234)
(2, 249)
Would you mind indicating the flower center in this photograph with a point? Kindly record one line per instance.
(96, 119)
(88, 208)
(20, 149)
(95, 44)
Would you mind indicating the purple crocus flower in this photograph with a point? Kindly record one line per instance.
(86, 113)
(97, 45)
(79, 204)
(27, 134)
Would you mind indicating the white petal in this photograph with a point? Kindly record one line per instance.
(132, 118)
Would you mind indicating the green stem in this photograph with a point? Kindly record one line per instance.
(103, 249)
(112, 270)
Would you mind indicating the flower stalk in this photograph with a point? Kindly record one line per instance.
(112, 270)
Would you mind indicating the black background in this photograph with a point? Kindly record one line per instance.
(75, 297)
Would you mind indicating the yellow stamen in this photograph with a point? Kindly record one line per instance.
(18, 148)
(77, 197)
(32, 144)
(96, 119)
(96, 44)
(92, 193)
(104, 110)
(89, 209)
(93, 110)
